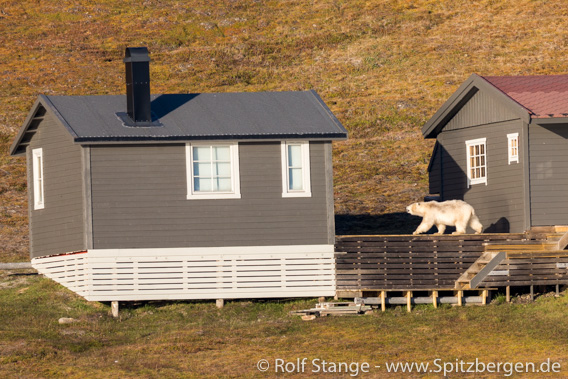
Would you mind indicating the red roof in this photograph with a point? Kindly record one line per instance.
(544, 96)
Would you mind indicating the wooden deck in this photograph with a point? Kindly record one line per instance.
(436, 262)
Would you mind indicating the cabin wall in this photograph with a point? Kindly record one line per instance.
(139, 200)
(60, 226)
(435, 171)
(499, 204)
(549, 174)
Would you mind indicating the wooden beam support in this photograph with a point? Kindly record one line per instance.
(408, 296)
(383, 301)
(532, 292)
(508, 294)
(460, 298)
(114, 309)
(484, 297)
(435, 299)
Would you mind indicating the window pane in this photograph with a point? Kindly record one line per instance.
(222, 184)
(202, 169)
(294, 156)
(295, 179)
(202, 184)
(223, 169)
(482, 160)
(39, 167)
(201, 153)
(483, 172)
(222, 153)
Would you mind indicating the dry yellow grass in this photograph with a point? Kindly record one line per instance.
(197, 340)
(383, 67)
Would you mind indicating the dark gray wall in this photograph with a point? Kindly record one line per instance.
(500, 203)
(435, 171)
(481, 109)
(59, 227)
(139, 200)
(549, 174)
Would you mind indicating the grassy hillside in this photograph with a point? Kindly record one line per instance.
(197, 340)
(383, 67)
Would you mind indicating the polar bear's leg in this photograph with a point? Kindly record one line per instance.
(460, 228)
(475, 224)
(441, 228)
(424, 226)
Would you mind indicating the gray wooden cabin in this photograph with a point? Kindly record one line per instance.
(502, 146)
(183, 196)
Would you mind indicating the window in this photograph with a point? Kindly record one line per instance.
(476, 161)
(296, 169)
(37, 167)
(513, 142)
(213, 171)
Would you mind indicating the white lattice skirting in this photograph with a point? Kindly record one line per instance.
(195, 273)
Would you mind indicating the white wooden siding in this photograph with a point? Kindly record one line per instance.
(195, 273)
(70, 270)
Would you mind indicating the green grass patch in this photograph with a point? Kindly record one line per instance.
(195, 339)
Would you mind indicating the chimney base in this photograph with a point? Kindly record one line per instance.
(128, 122)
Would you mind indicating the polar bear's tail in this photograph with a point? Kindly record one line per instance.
(475, 223)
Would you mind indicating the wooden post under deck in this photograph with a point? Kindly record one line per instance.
(435, 299)
(383, 300)
(408, 300)
(114, 309)
(484, 297)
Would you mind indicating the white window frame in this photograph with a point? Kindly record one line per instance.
(513, 158)
(235, 178)
(468, 144)
(306, 176)
(38, 178)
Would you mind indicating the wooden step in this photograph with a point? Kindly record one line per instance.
(539, 247)
(537, 253)
(480, 269)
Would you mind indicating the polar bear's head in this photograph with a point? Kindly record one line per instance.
(415, 209)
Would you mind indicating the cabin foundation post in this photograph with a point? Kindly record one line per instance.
(220, 303)
(484, 295)
(558, 290)
(460, 298)
(508, 294)
(408, 301)
(532, 293)
(435, 299)
(114, 308)
(383, 301)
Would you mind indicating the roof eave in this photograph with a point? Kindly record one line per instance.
(235, 137)
(41, 101)
(549, 120)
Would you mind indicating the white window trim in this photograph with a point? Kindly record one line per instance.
(235, 178)
(469, 143)
(510, 138)
(39, 180)
(306, 177)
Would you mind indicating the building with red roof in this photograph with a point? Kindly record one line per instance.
(502, 146)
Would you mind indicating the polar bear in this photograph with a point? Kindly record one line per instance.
(456, 213)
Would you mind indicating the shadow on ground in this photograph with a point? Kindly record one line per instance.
(390, 223)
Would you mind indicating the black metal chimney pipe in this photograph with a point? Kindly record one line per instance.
(137, 64)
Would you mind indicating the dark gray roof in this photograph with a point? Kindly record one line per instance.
(204, 116)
